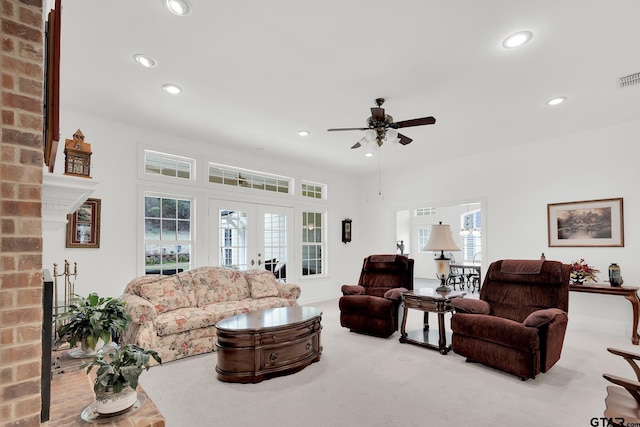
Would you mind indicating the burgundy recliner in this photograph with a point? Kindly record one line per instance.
(519, 322)
(371, 306)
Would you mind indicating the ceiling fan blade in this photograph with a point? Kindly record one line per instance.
(404, 140)
(377, 114)
(340, 129)
(356, 145)
(414, 122)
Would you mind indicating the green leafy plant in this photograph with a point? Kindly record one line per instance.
(89, 319)
(119, 366)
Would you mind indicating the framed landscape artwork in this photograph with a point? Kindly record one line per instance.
(586, 223)
(83, 226)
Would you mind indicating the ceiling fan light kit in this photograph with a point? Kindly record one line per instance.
(381, 127)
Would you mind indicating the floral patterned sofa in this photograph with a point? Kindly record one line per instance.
(176, 315)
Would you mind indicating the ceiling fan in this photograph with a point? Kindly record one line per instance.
(383, 127)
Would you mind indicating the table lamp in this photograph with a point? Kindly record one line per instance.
(441, 240)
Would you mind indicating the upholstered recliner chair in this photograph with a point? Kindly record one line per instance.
(519, 322)
(371, 306)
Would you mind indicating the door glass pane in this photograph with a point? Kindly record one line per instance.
(275, 245)
(233, 239)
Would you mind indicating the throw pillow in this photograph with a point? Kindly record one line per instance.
(262, 283)
(165, 295)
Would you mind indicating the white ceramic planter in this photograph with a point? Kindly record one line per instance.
(88, 351)
(111, 403)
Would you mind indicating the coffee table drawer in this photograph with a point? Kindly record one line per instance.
(282, 336)
(274, 356)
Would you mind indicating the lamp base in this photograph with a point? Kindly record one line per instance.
(443, 286)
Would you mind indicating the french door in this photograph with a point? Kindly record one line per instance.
(249, 235)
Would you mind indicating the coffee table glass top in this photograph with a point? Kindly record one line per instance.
(269, 318)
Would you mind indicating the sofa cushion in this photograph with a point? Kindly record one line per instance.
(165, 295)
(216, 284)
(183, 319)
(262, 283)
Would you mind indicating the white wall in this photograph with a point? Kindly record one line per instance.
(115, 165)
(514, 187)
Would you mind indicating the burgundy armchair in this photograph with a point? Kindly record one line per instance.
(371, 306)
(519, 322)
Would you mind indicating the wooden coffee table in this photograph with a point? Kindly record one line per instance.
(428, 300)
(276, 341)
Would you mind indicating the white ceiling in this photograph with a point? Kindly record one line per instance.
(254, 72)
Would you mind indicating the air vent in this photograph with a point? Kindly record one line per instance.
(630, 80)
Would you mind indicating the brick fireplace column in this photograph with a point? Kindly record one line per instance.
(21, 168)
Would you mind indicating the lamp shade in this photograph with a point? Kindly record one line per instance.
(441, 239)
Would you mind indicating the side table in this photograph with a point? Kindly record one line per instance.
(428, 300)
(629, 292)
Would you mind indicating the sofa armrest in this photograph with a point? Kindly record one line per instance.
(288, 290)
(471, 306)
(139, 309)
(541, 317)
(352, 290)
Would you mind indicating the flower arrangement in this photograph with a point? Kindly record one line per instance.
(581, 271)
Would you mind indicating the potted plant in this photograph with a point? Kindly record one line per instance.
(89, 320)
(119, 369)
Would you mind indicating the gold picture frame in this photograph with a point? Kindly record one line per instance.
(83, 226)
(589, 223)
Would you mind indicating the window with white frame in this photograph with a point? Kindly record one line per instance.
(156, 163)
(238, 177)
(423, 238)
(471, 225)
(425, 211)
(313, 190)
(312, 243)
(168, 237)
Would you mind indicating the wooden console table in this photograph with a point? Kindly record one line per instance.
(629, 292)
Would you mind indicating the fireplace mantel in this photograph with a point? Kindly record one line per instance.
(62, 195)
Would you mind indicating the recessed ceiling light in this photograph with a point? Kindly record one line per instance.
(517, 39)
(303, 132)
(172, 89)
(177, 7)
(368, 154)
(556, 101)
(145, 60)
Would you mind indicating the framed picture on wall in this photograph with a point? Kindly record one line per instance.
(83, 226)
(587, 223)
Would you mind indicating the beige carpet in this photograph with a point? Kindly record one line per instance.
(367, 381)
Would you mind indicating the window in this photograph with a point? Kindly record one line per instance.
(314, 191)
(425, 211)
(237, 177)
(423, 238)
(167, 234)
(471, 225)
(156, 163)
(312, 244)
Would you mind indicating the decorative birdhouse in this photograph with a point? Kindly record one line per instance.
(77, 154)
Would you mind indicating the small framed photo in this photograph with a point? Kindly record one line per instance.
(83, 226)
(587, 223)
